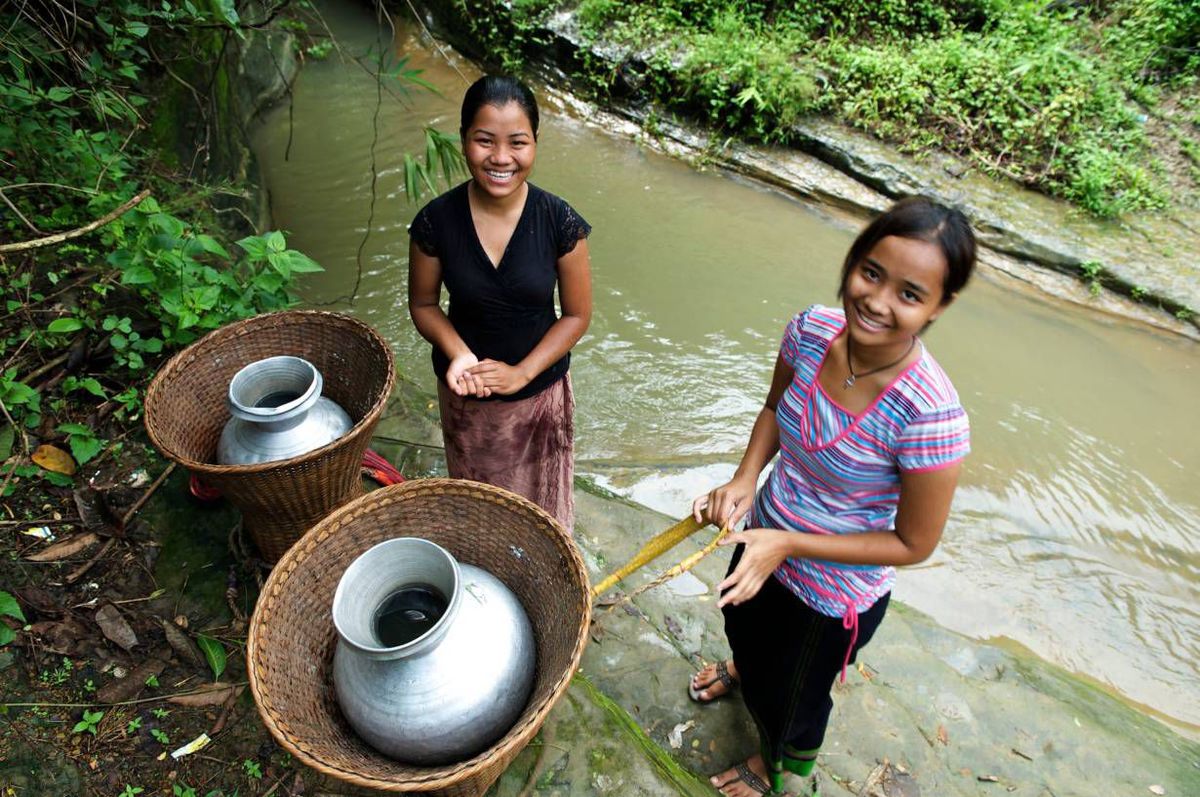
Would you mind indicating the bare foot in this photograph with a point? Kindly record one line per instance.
(713, 681)
(744, 780)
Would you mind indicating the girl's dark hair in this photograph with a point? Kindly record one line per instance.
(924, 220)
(498, 90)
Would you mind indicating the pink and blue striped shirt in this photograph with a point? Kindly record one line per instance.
(838, 473)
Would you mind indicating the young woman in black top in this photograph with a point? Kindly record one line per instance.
(501, 246)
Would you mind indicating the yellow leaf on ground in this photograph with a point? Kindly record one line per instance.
(54, 459)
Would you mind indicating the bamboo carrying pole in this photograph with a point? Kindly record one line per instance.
(658, 545)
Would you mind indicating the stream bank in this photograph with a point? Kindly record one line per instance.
(1143, 267)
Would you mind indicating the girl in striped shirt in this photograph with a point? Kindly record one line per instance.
(870, 435)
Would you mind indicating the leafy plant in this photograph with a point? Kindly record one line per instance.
(214, 653)
(131, 791)
(252, 769)
(82, 440)
(9, 608)
(160, 712)
(89, 722)
(133, 726)
(160, 736)
(152, 681)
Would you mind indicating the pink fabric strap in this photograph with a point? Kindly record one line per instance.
(850, 623)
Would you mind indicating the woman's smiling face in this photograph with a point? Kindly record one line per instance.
(894, 291)
(499, 148)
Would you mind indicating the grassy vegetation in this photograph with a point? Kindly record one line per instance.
(1052, 93)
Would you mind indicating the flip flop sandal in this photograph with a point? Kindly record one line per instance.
(746, 775)
(723, 678)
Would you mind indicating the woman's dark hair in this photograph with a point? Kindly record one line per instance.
(497, 90)
(922, 219)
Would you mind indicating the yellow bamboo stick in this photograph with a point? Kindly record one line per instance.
(658, 545)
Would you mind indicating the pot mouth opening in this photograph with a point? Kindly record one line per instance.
(397, 599)
(274, 389)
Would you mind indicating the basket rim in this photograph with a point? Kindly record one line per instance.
(244, 327)
(437, 777)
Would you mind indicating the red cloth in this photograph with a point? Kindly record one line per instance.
(526, 446)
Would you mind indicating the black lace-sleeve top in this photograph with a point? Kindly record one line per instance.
(501, 312)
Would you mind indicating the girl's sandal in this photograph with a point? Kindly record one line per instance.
(724, 678)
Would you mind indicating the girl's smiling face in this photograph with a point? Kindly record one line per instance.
(499, 148)
(894, 291)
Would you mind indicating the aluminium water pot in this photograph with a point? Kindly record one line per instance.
(448, 693)
(278, 413)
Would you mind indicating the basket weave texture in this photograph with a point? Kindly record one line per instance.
(186, 410)
(292, 636)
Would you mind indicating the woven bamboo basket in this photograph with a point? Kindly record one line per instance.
(292, 637)
(186, 410)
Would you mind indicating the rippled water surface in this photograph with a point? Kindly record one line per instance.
(1076, 531)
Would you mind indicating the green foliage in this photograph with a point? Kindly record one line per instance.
(133, 726)
(152, 681)
(9, 608)
(1052, 95)
(59, 675)
(214, 653)
(131, 791)
(160, 736)
(89, 722)
(252, 769)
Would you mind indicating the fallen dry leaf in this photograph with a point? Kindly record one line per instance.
(213, 694)
(115, 627)
(65, 637)
(55, 459)
(943, 735)
(182, 644)
(65, 549)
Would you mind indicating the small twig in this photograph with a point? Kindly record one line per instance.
(113, 159)
(146, 495)
(78, 572)
(11, 186)
(20, 215)
(43, 369)
(28, 338)
(8, 478)
(138, 701)
(84, 230)
(39, 520)
(24, 437)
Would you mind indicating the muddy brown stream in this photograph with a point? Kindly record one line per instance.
(1076, 530)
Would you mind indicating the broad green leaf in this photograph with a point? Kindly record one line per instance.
(85, 448)
(76, 428)
(10, 607)
(214, 652)
(20, 393)
(280, 263)
(212, 246)
(255, 246)
(301, 263)
(275, 241)
(137, 275)
(138, 29)
(60, 325)
(92, 386)
(58, 93)
(6, 634)
(57, 479)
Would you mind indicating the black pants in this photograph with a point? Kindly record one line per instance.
(787, 656)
